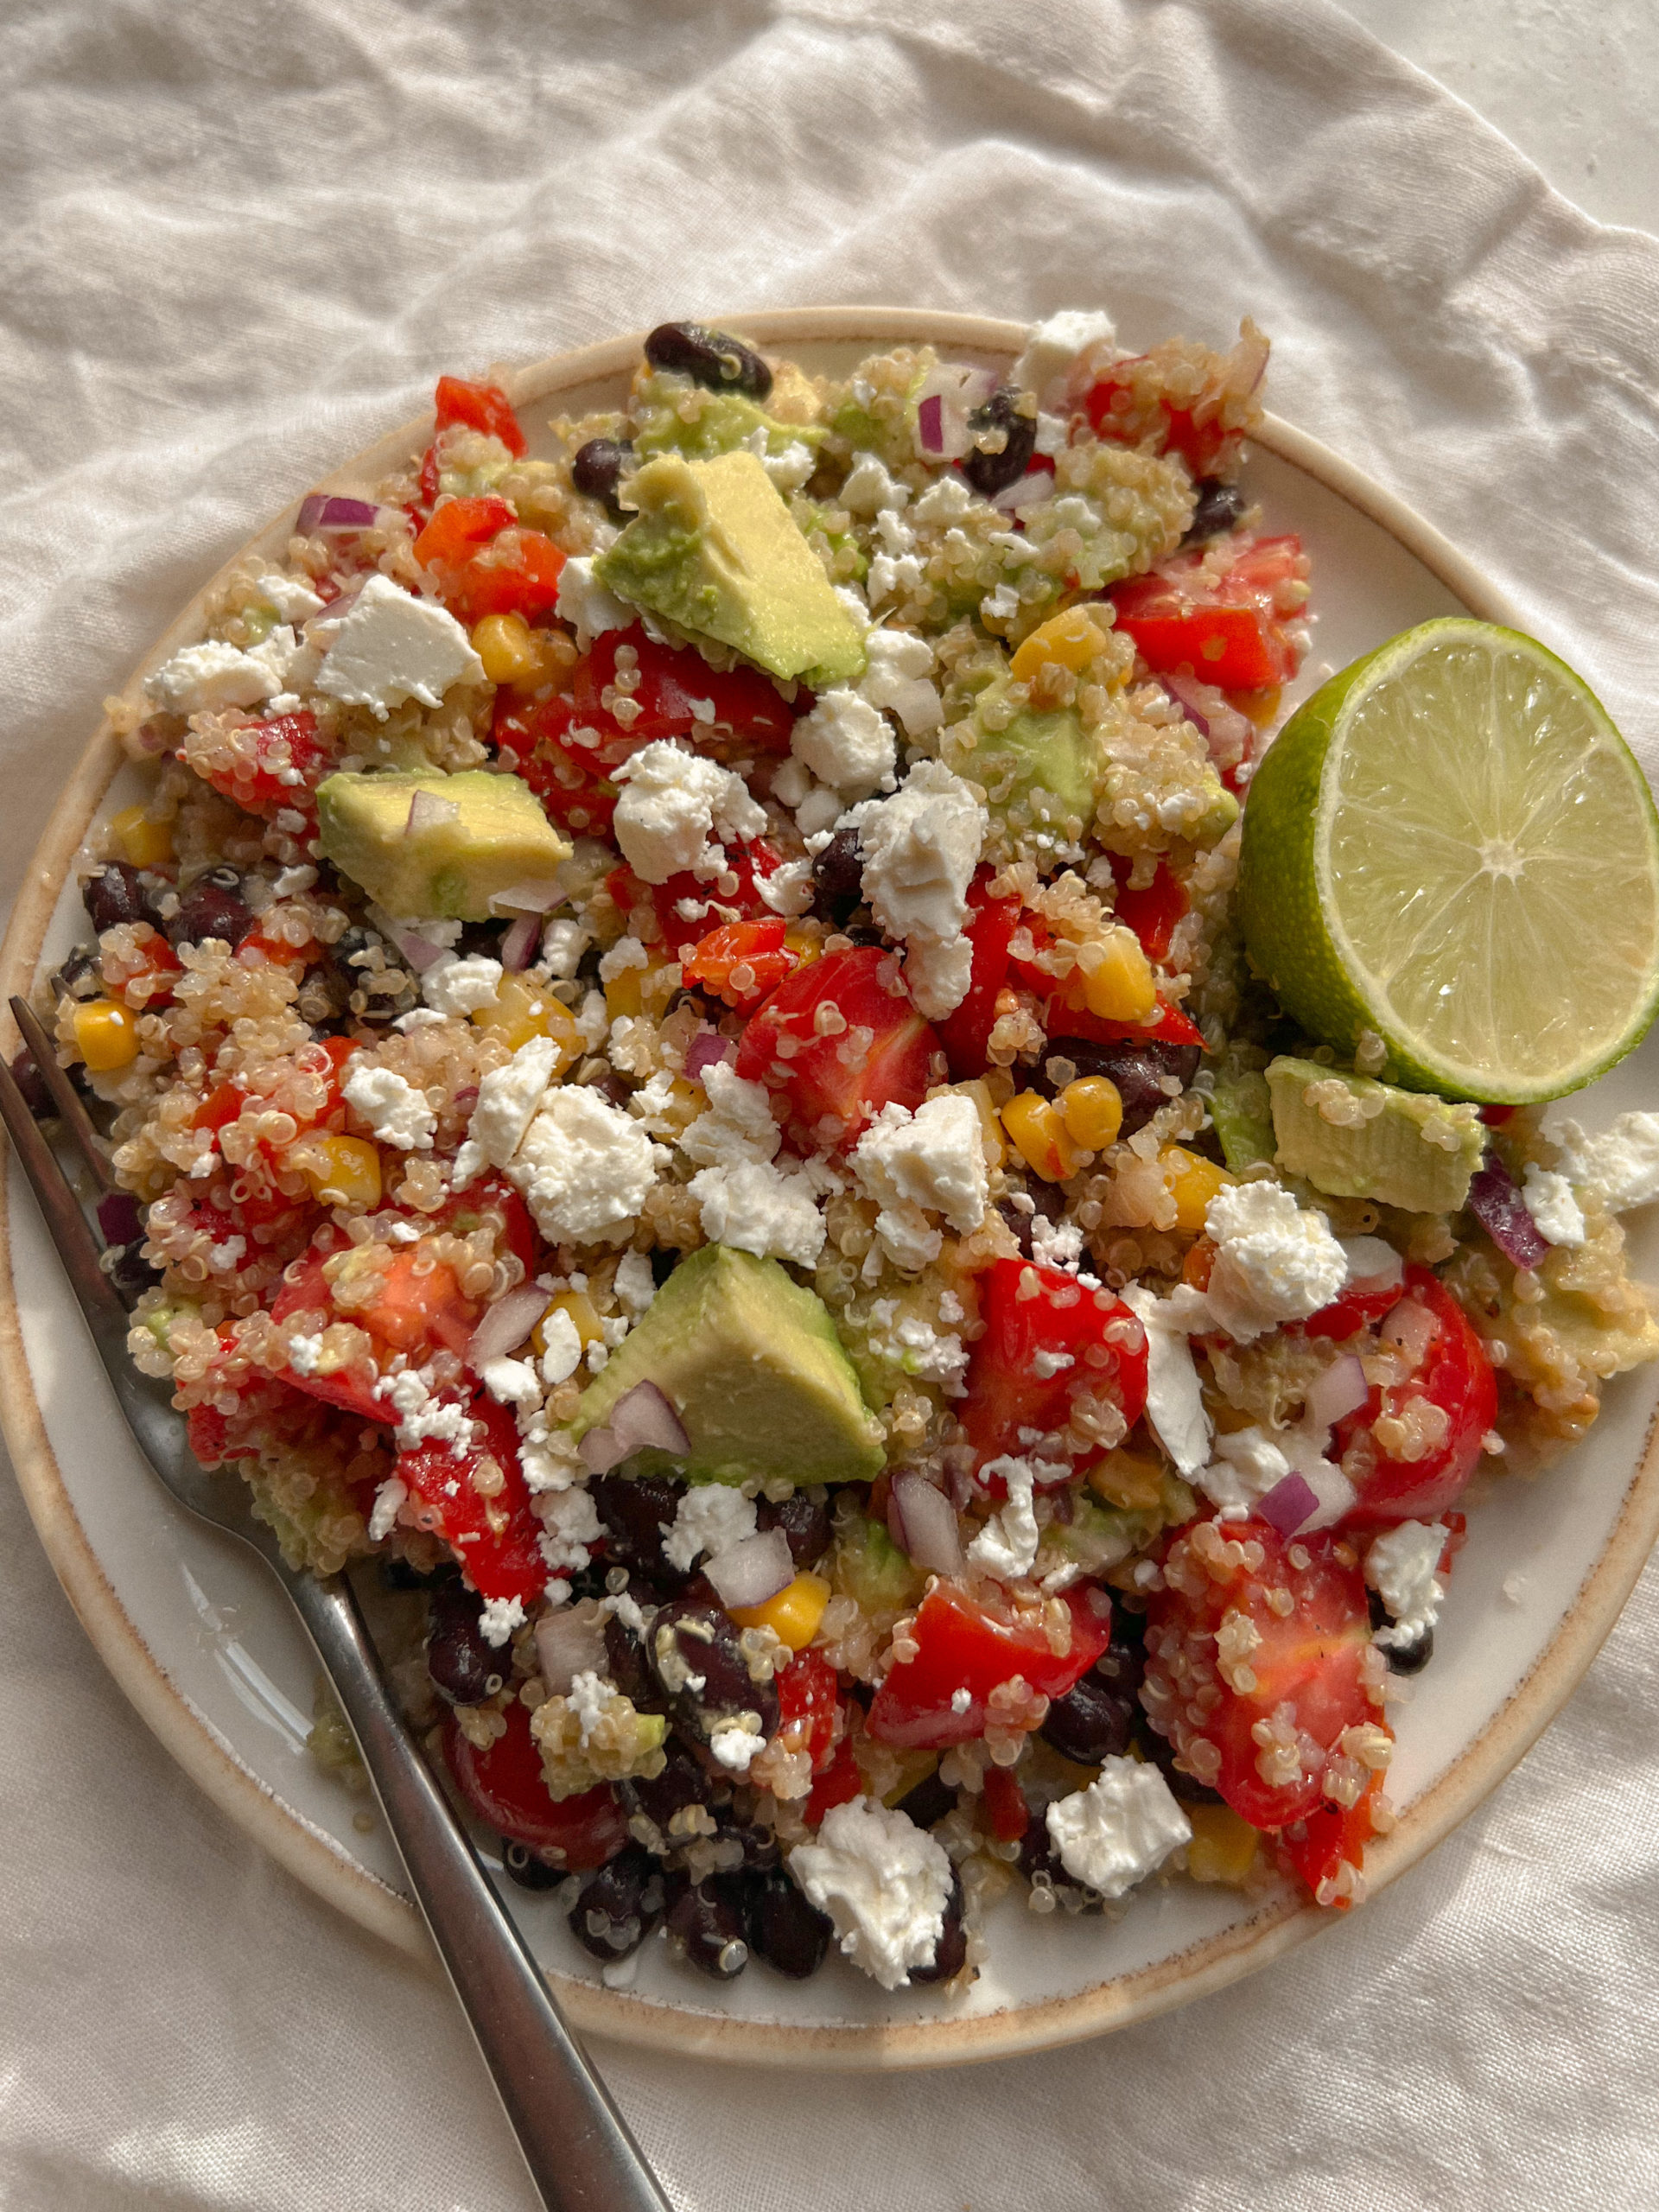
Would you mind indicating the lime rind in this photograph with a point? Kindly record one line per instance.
(1380, 770)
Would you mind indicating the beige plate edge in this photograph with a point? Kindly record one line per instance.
(318, 1862)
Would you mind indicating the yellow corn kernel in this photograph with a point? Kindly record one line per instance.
(1131, 1480)
(507, 648)
(806, 944)
(793, 1614)
(580, 1307)
(990, 1128)
(1116, 978)
(625, 992)
(1068, 640)
(522, 1009)
(144, 843)
(1040, 1137)
(1223, 1848)
(342, 1171)
(106, 1035)
(1092, 1109)
(1193, 1181)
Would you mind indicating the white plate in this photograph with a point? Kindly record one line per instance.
(208, 1652)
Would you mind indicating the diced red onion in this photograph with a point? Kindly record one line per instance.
(752, 1570)
(1224, 730)
(428, 810)
(601, 1450)
(1029, 490)
(1289, 1505)
(519, 942)
(930, 423)
(1409, 1329)
(325, 510)
(1498, 1206)
(526, 898)
(641, 1419)
(949, 395)
(1373, 1265)
(1338, 1391)
(504, 1326)
(928, 1522)
(707, 1050)
(568, 1642)
(117, 1217)
(419, 952)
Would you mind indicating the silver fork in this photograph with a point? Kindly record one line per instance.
(575, 2143)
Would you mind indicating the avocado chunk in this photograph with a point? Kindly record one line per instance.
(1356, 1138)
(752, 1364)
(714, 548)
(429, 846)
(671, 415)
(1242, 1108)
(1040, 772)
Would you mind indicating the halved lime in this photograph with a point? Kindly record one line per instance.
(1451, 847)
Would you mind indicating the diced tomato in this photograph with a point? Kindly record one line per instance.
(305, 1291)
(808, 1696)
(222, 1105)
(966, 1033)
(539, 740)
(493, 1200)
(1306, 1664)
(259, 945)
(1199, 444)
(1066, 1015)
(517, 572)
(289, 761)
(676, 694)
(419, 1307)
(146, 984)
(1153, 910)
(1346, 1316)
(1027, 1310)
(839, 1783)
(966, 1645)
(742, 962)
(505, 1786)
(881, 1053)
(426, 494)
(208, 1432)
(1004, 1802)
(1495, 1116)
(1234, 632)
(458, 527)
(1452, 1380)
(495, 1535)
(1317, 1846)
(481, 407)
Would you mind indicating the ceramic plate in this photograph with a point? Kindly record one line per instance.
(209, 1654)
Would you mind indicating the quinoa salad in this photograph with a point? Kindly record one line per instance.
(690, 1101)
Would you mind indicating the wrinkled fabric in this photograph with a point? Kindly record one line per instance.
(241, 241)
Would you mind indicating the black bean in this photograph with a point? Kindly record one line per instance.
(634, 1514)
(928, 1802)
(132, 1273)
(784, 1928)
(683, 1782)
(838, 879)
(705, 1923)
(114, 895)
(1406, 1658)
(398, 1574)
(709, 357)
(463, 1666)
(599, 467)
(758, 1844)
(624, 1663)
(806, 1524)
(1047, 1200)
(27, 1076)
(528, 1868)
(1004, 441)
(79, 976)
(1220, 505)
(1139, 1069)
(378, 986)
(951, 1952)
(1091, 1723)
(1186, 1787)
(619, 1904)
(694, 1653)
(662, 1264)
(213, 906)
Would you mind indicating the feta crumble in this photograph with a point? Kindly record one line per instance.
(393, 1109)
(846, 743)
(920, 849)
(1053, 348)
(759, 1208)
(1174, 1401)
(710, 1517)
(584, 1165)
(388, 1500)
(1620, 1166)
(883, 1881)
(499, 1618)
(564, 1354)
(1556, 1213)
(392, 647)
(585, 603)
(672, 804)
(507, 1099)
(931, 1161)
(570, 1522)
(1120, 1829)
(1400, 1565)
(1274, 1261)
(1006, 1545)
(460, 985)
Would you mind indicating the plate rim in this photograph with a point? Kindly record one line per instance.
(316, 1858)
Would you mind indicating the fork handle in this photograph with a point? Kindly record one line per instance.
(575, 2143)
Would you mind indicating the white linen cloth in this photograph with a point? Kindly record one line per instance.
(240, 241)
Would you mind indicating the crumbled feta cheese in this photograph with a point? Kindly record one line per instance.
(848, 743)
(393, 647)
(393, 1109)
(423, 1419)
(564, 943)
(583, 1165)
(1055, 1244)
(1619, 1166)
(1274, 1261)
(1556, 1213)
(1248, 1463)
(738, 1127)
(564, 1354)
(458, 986)
(921, 848)
(292, 880)
(889, 574)
(673, 802)
(499, 1618)
(869, 488)
(819, 812)
(788, 890)
(1400, 1565)
(628, 952)
(947, 500)
(585, 603)
(303, 1353)
(898, 667)
(1174, 1401)
(1120, 1829)
(1006, 1545)
(507, 1099)
(388, 1499)
(510, 1382)
(593, 1019)
(932, 1160)
(789, 469)
(884, 1882)
(570, 1523)
(1052, 349)
(759, 1208)
(292, 596)
(710, 1517)
(735, 1741)
(635, 1284)
(213, 676)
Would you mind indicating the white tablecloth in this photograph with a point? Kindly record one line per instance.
(241, 240)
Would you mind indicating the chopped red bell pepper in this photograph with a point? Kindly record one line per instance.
(481, 407)
(1029, 1310)
(741, 962)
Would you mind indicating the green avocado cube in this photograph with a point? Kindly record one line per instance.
(430, 847)
(1353, 1137)
(1040, 771)
(714, 548)
(751, 1363)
